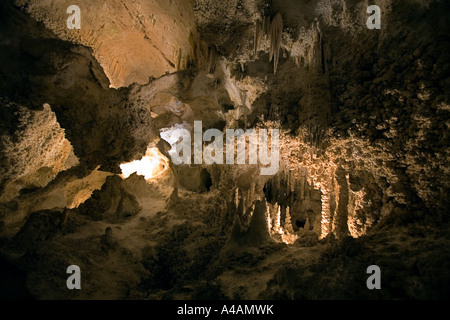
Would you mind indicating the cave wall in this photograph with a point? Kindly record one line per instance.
(39, 69)
(131, 41)
(364, 121)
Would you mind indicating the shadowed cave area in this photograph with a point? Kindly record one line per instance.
(91, 119)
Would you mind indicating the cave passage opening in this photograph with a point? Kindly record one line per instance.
(151, 166)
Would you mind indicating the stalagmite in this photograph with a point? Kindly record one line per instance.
(288, 222)
(276, 33)
(268, 217)
(258, 232)
(340, 218)
(307, 225)
(325, 224)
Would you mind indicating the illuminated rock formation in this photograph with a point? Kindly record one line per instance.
(89, 123)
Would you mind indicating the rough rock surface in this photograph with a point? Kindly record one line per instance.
(39, 137)
(112, 203)
(132, 41)
(364, 128)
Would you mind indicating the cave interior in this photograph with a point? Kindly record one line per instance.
(91, 116)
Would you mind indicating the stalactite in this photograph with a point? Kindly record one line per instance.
(278, 182)
(292, 185)
(258, 36)
(297, 61)
(302, 187)
(201, 50)
(179, 56)
(266, 26)
(212, 57)
(276, 33)
(193, 39)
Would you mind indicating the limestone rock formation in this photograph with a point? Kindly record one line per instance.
(160, 33)
(31, 134)
(113, 203)
(90, 117)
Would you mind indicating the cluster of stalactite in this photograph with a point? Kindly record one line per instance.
(314, 198)
(206, 55)
(274, 31)
(293, 204)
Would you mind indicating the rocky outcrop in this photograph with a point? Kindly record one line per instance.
(42, 69)
(34, 149)
(112, 203)
(160, 34)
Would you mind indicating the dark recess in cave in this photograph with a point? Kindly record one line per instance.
(205, 177)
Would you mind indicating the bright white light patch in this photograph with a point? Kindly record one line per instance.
(150, 166)
(172, 135)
